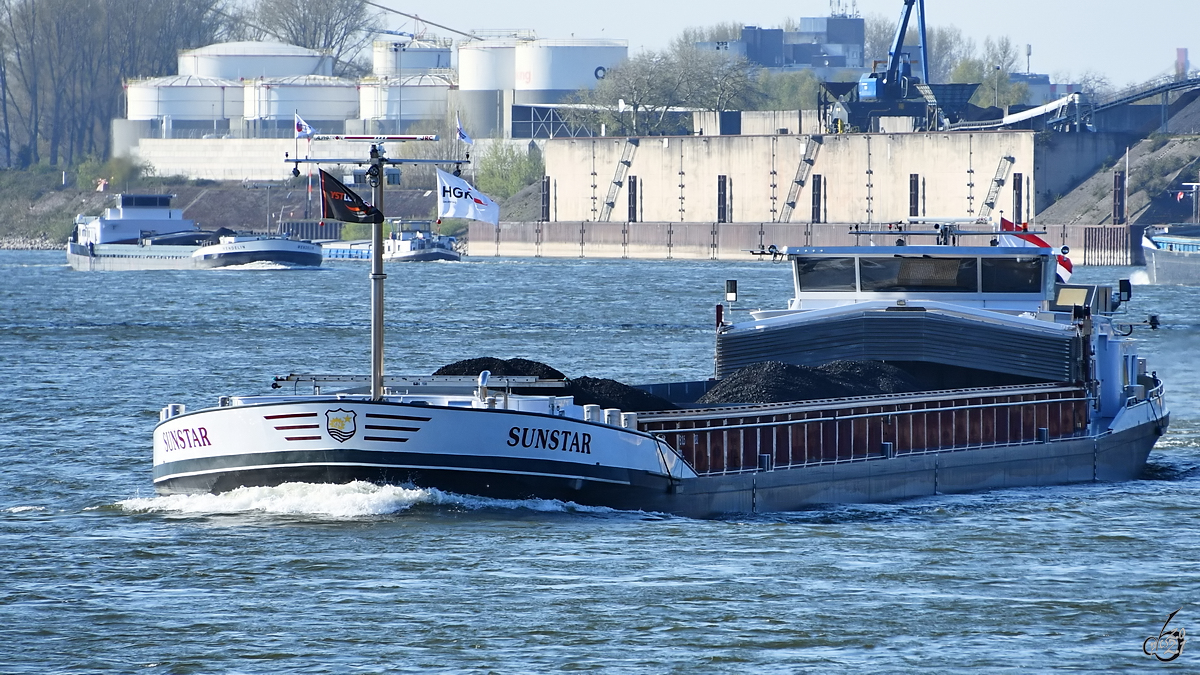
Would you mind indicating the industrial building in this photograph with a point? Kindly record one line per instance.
(833, 42)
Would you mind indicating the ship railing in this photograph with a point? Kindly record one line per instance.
(732, 443)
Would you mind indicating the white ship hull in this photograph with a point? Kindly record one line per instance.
(511, 454)
(116, 257)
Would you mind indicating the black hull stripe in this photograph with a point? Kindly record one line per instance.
(399, 460)
(395, 467)
(287, 257)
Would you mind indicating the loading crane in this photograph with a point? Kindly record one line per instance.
(894, 83)
(907, 102)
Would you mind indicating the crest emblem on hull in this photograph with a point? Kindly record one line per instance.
(340, 424)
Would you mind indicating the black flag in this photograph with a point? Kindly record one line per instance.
(340, 203)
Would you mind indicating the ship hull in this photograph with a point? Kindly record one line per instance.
(1179, 268)
(622, 469)
(121, 257)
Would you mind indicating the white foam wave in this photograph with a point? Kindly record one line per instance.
(351, 500)
(25, 509)
(1139, 278)
(262, 265)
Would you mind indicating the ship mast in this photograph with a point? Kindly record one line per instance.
(375, 177)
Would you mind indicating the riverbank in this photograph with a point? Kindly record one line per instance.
(18, 243)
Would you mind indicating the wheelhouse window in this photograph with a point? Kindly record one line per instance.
(825, 274)
(1009, 275)
(897, 274)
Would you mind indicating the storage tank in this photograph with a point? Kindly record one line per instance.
(486, 69)
(183, 97)
(410, 99)
(547, 71)
(246, 60)
(403, 56)
(487, 65)
(313, 97)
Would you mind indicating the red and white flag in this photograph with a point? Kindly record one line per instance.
(1014, 236)
(303, 129)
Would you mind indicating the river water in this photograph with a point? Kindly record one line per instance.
(102, 576)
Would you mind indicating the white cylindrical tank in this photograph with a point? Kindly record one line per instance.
(313, 97)
(246, 60)
(410, 99)
(565, 65)
(392, 57)
(487, 65)
(183, 97)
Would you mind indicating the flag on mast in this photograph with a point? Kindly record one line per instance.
(303, 129)
(340, 203)
(1014, 236)
(462, 135)
(457, 199)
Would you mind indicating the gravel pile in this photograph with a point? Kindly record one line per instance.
(586, 390)
(778, 382)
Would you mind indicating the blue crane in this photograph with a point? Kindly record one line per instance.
(893, 83)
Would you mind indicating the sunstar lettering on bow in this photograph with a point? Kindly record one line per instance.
(550, 439)
(183, 439)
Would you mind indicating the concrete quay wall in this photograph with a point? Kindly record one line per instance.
(1088, 244)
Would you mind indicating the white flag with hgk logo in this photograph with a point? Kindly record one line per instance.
(457, 199)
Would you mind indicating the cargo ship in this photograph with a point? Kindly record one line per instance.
(1027, 381)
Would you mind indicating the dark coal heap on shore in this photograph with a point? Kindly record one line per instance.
(586, 390)
(778, 382)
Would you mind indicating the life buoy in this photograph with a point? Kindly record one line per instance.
(601, 71)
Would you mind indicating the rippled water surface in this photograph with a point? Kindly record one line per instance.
(103, 576)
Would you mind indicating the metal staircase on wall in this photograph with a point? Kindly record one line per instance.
(631, 145)
(802, 171)
(998, 181)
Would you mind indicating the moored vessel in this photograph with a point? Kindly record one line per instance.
(408, 241)
(143, 232)
(1027, 381)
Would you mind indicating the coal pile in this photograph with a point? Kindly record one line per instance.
(869, 378)
(586, 390)
(501, 368)
(778, 382)
(612, 394)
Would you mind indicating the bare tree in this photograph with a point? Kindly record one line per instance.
(879, 33)
(64, 63)
(637, 97)
(341, 27)
(727, 31)
(713, 80)
(947, 46)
